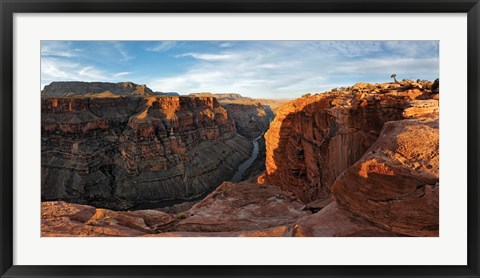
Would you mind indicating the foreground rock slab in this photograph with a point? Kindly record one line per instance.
(242, 207)
(333, 221)
(60, 219)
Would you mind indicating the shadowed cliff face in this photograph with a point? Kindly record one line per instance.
(251, 120)
(252, 117)
(313, 139)
(120, 151)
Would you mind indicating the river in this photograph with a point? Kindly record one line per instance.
(238, 177)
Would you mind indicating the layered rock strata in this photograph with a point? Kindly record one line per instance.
(313, 139)
(252, 118)
(120, 151)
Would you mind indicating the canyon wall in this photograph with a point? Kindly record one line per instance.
(252, 117)
(117, 151)
(313, 139)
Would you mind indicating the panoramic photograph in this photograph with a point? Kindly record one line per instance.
(240, 138)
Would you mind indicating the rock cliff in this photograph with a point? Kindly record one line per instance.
(121, 151)
(313, 139)
(252, 117)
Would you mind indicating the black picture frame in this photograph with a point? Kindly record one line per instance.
(9, 7)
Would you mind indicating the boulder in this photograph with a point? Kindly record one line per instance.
(396, 183)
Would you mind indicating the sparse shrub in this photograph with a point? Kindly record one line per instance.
(181, 215)
(394, 76)
(307, 95)
(436, 84)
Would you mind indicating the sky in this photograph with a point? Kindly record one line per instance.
(258, 69)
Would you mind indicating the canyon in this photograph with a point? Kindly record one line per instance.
(252, 117)
(120, 150)
(355, 161)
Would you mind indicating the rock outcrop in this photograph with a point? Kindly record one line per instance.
(396, 183)
(242, 207)
(313, 139)
(333, 221)
(252, 118)
(60, 219)
(117, 152)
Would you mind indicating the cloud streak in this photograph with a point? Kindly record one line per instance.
(162, 46)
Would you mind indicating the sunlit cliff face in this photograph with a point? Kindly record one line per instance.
(313, 139)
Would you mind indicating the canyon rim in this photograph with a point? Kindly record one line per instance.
(240, 139)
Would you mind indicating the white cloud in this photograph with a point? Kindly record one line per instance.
(413, 48)
(388, 66)
(162, 46)
(209, 56)
(54, 69)
(126, 57)
(226, 44)
(349, 48)
(244, 71)
(123, 73)
(59, 49)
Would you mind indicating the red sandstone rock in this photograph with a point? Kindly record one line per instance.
(279, 231)
(60, 219)
(242, 207)
(395, 184)
(333, 221)
(251, 116)
(139, 148)
(313, 139)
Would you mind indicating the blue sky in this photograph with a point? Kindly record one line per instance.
(259, 69)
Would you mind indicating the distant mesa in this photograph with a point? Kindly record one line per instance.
(172, 94)
(222, 96)
(95, 89)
